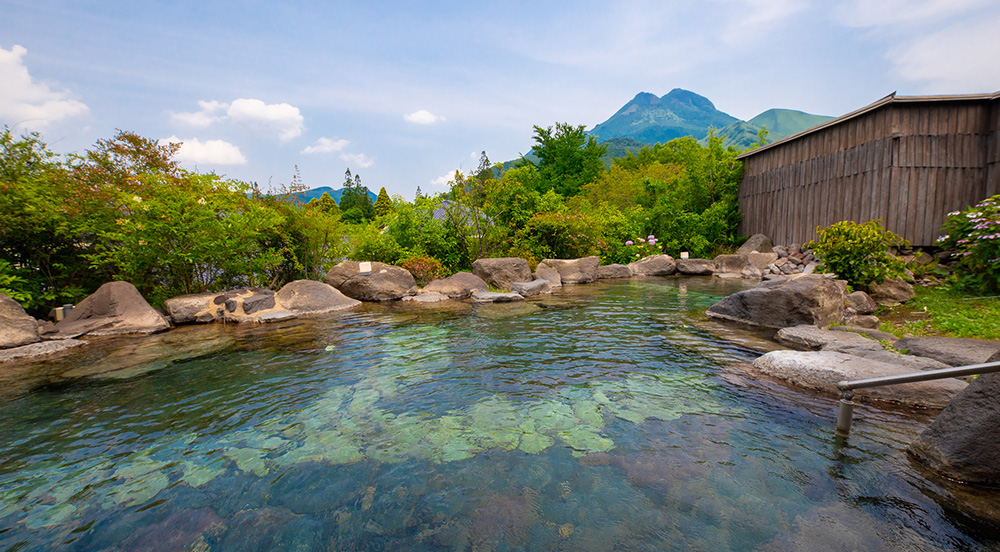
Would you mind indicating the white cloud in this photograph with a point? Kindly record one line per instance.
(282, 119)
(325, 145)
(445, 180)
(953, 59)
(23, 101)
(211, 152)
(423, 117)
(358, 159)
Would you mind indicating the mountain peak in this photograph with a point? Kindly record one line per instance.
(649, 119)
(688, 98)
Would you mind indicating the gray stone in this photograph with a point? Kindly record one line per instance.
(860, 320)
(781, 251)
(17, 327)
(574, 271)
(530, 289)
(257, 303)
(458, 286)
(811, 337)
(761, 260)
(757, 242)
(383, 283)
(961, 443)
(810, 268)
(874, 351)
(751, 272)
(494, 297)
(424, 296)
(186, 309)
(791, 301)
(861, 302)
(867, 332)
(953, 351)
(613, 271)
(653, 265)
(891, 292)
(546, 272)
(502, 272)
(730, 263)
(310, 297)
(728, 275)
(275, 316)
(115, 308)
(822, 370)
(33, 350)
(695, 267)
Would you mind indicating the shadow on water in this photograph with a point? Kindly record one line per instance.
(605, 417)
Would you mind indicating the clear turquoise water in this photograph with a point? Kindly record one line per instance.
(605, 418)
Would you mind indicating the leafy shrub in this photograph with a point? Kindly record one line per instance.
(858, 253)
(975, 235)
(632, 250)
(370, 244)
(424, 269)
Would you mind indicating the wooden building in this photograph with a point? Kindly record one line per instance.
(908, 160)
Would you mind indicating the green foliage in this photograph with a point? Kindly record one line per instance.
(383, 205)
(368, 243)
(9, 281)
(327, 204)
(568, 158)
(946, 310)
(355, 203)
(858, 253)
(974, 234)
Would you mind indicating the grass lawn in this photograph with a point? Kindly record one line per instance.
(945, 311)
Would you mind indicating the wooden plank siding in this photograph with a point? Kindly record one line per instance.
(906, 161)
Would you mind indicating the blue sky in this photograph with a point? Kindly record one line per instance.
(404, 93)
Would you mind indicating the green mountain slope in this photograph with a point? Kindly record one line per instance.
(649, 119)
(316, 193)
(782, 123)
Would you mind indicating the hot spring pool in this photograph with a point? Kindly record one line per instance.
(605, 417)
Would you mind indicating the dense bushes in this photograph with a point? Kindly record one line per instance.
(975, 235)
(858, 253)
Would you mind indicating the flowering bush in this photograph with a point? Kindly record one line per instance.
(424, 269)
(635, 249)
(974, 234)
(858, 253)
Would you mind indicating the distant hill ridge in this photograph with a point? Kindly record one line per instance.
(316, 193)
(650, 119)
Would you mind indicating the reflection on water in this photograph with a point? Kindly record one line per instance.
(604, 417)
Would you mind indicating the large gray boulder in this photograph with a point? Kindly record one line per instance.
(575, 271)
(502, 272)
(961, 443)
(17, 327)
(891, 292)
(457, 286)
(494, 297)
(384, 282)
(876, 352)
(115, 308)
(549, 274)
(760, 261)
(757, 242)
(532, 288)
(194, 308)
(730, 264)
(696, 267)
(613, 271)
(811, 337)
(822, 370)
(953, 351)
(653, 265)
(305, 297)
(809, 299)
(861, 302)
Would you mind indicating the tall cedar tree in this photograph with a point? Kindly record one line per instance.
(568, 158)
(383, 205)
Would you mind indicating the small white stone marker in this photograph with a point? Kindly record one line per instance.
(684, 254)
(365, 267)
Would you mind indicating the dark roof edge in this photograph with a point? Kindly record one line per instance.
(891, 98)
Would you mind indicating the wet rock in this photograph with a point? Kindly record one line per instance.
(531, 289)
(822, 371)
(695, 267)
(891, 292)
(874, 351)
(176, 532)
(861, 302)
(384, 283)
(961, 442)
(187, 309)
(653, 265)
(613, 271)
(502, 272)
(575, 271)
(953, 351)
(255, 530)
(757, 242)
(807, 299)
(424, 296)
(310, 297)
(494, 297)
(811, 337)
(115, 308)
(546, 272)
(275, 316)
(751, 272)
(33, 350)
(17, 327)
(728, 264)
(458, 286)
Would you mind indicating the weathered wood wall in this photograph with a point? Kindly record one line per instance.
(907, 163)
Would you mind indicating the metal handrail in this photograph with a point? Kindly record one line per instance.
(846, 410)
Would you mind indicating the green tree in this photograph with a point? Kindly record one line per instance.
(383, 205)
(355, 203)
(568, 158)
(326, 204)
